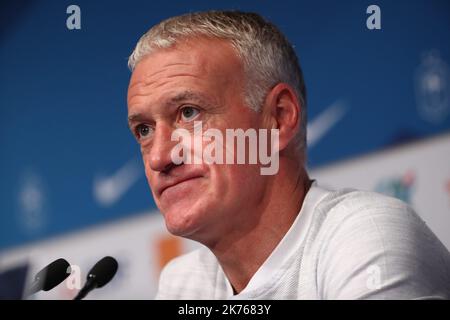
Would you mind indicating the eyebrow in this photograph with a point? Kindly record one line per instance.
(170, 103)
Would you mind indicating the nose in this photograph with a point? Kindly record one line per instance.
(159, 154)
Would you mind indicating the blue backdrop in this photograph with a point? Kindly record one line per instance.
(63, 130)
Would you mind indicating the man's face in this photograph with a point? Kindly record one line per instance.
(197, 80)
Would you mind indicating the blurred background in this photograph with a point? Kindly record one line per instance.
(71, 179)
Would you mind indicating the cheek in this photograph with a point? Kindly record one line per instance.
(146, 167)
(148, 172)
(233, 180)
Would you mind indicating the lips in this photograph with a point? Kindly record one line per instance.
(173, 181)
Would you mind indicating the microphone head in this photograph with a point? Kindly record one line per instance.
(53, 274)
(103, 271)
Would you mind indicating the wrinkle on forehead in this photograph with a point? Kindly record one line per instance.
(191, 53)
(213, 63)
(164, 68)
(149, 81)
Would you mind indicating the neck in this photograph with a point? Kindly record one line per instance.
(236, 252)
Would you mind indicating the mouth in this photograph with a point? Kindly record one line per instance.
(177, 183)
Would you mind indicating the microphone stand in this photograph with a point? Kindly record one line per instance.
(88, 287)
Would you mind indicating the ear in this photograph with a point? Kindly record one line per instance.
(282, 111)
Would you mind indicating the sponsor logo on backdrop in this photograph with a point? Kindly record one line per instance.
(433, 88)
(32, 202)
(109, 189)
(322, 124)
(400, 187)
(167, 248)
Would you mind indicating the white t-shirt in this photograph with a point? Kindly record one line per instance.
(344, 244)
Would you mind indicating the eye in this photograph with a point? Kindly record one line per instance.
(143, 131)
(189, 113)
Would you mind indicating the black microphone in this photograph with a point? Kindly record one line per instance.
(50, 276)
(100, 274)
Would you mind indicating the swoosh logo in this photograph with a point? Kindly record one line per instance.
(324, 122)
(110, 189)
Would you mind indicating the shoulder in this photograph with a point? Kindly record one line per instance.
(374, 246)
(368, 220)
(364, 211)
(347, 202)
(188, 276)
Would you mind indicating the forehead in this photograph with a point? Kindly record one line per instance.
(198, 61)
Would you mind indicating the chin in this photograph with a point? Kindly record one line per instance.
(184, 220)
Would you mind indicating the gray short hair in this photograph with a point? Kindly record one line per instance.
(267, 56)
